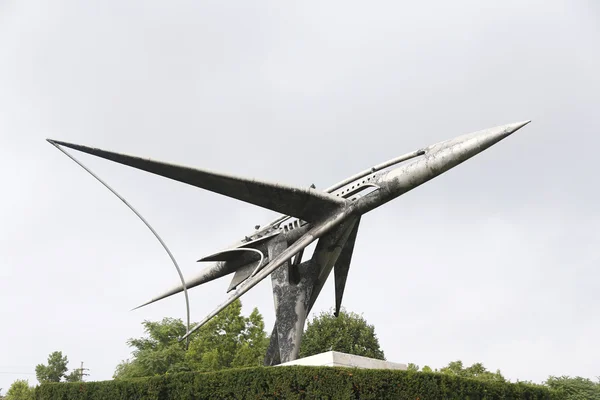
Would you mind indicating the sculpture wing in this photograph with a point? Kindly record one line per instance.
(306, 204)
(342, 266)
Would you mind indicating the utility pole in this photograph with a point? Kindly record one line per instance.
(81, 373)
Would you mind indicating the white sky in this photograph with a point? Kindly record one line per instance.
(494, 262)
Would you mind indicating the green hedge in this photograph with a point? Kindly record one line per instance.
(294, 383)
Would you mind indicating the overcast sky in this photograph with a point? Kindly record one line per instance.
(496, 261)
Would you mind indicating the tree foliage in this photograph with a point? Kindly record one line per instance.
(20, 390)
(347, 333)
(54, 371)
(476, 370)
(157, 353)
(564, 387)
(228, 340)
(74, 376)
(576, 388)
(456, 368)
(412, 367)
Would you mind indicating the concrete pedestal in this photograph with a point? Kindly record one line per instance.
(337, 359)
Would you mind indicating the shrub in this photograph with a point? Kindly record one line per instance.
(295, 383)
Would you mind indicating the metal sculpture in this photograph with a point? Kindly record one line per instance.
(156, 235)
(330, 217)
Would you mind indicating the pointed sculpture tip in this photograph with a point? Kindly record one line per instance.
(61, 143)
(512, 128)
(58, 143)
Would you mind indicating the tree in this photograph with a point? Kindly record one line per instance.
(346, 333)
(228, 340)
(412, 367)
(476, 370)
(20, 390)
(54, 371)
(454, 368)
(75, 376)
(576, 388)
(158, 353)
(253, 342)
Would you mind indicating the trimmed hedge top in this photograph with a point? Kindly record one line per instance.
(295, 382)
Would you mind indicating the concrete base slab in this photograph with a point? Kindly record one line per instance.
(337, 359)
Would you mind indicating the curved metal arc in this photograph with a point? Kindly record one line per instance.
(259, 265)
(187, 301)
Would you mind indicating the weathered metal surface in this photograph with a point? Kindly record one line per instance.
(219, 269)
(317, 231)
(342, 267)
(241, 275)
(272, 355)
(230, 255)
(327, 253)
(257, 239)
(291, 307)
(214, 271)
(307, 204)
(333, 218)
(293, 300)
(374, 169)
(437, 159)
(286, 299)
